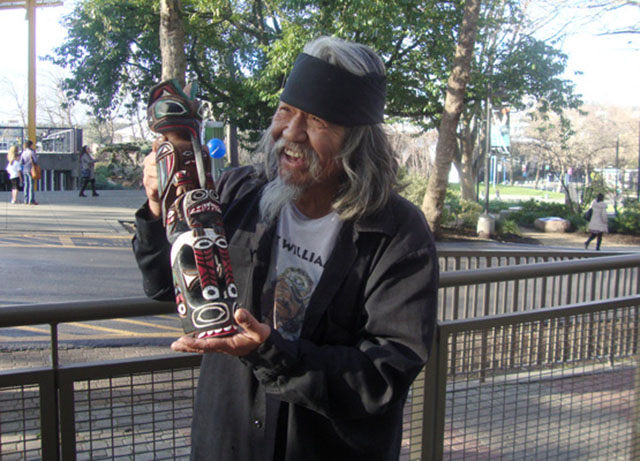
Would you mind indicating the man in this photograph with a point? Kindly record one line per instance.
(27, 159)
(337, 276)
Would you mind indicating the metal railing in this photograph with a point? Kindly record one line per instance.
(141, 408)
(555, 384)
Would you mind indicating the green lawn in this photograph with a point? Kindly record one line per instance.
(523, 193)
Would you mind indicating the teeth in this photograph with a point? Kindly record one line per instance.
(202, 335)
(209, 333)
(293, 154)
(229, 328)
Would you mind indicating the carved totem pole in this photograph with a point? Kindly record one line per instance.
(206, 294)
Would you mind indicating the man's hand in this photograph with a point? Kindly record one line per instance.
(249, 337)
(150, 181)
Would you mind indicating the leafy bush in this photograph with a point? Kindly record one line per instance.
(532, 210)
(415, 186)
(628, 221)
(507, 227)
(469, 213)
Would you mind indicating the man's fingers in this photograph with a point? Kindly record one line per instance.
(259, 332)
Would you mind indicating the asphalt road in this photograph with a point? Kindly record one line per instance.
(73, 249)
(43, 268)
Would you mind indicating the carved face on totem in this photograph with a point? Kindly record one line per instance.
(203, 281)
(196, 208)
(205, 291)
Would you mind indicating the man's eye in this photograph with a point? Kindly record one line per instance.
(318, 122)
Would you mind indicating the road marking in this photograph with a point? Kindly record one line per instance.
(33, 329)
(76, 247)
(147, 324)
(99, 328)
(66, 241)
(76, 337)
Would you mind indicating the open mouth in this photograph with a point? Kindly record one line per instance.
(206, 207)
(218, 332)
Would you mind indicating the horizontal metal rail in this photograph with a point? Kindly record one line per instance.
(550, 410)
(135, 390)
(504, 273)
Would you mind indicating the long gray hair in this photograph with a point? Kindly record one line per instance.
(368, 160)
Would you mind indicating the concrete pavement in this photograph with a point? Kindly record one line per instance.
(65, 212)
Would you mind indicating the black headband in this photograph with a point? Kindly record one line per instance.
(334, 94)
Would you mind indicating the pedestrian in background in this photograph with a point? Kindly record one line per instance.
(598, 222)
(27, 160)
(87, 171)
(15, 172)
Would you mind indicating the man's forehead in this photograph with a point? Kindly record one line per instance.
(305, 113)
(334, 94)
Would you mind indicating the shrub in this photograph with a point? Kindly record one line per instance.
(415, 186)
(507, 227)
(628, 221)
(532, 210)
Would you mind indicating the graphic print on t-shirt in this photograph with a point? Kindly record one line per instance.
(292, 293)
(300, 249)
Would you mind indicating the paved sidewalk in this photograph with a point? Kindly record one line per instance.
(64, 211)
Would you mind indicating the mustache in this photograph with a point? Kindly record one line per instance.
(309, 155)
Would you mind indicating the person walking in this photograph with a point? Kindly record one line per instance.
(27, 160)
(598, 222)
(87, 171)
(15, 172)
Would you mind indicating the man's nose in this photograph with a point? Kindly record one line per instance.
(296, 129)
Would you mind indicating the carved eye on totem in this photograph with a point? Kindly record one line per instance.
(221, 241)
(187, 153)
(232, 290)
(182, 310)
(213, 195)
(169, 108)
(203, 243)
(198, 194)
(210, 293)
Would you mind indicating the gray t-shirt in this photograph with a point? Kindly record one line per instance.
(300, 250)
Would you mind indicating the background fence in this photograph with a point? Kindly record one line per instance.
(526, 381)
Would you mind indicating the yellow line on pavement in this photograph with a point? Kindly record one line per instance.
(75, 247)
(71, 336)
(99, 328)
(33, 329)
(66, 241)
(148, 324)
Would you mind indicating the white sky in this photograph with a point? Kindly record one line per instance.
(610, 64)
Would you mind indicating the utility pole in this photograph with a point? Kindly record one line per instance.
(487, 152)
(30, 6)
(615, 192)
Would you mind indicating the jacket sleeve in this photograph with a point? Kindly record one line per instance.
(152, 252)
(355, 381)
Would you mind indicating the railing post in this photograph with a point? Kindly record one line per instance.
(435, 380)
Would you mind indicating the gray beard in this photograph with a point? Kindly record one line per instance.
(276, 194)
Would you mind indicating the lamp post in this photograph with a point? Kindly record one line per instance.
(487, 152)
(615, 192)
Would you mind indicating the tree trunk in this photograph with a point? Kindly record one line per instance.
(174, 61)
(466, 170)
(433, 201)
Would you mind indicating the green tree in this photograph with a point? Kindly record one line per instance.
(523, 72)
(241, 51)
(433, 202)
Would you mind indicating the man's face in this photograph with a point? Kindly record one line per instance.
(299, 136)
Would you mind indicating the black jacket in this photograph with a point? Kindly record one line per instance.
(338, 391)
